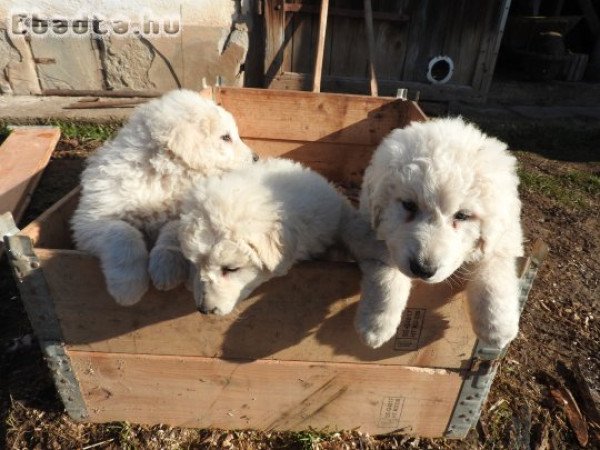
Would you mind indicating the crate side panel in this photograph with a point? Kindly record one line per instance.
(306, 116)
(265, 395)
(350, 160)
(52, 229)
(305, 316)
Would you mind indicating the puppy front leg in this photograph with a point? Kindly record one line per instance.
(493, 296)
(123, 257)
(167, 267)
(384, 294)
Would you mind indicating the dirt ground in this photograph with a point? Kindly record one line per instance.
(560, 330)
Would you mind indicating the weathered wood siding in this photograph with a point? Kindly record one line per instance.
(408, 33)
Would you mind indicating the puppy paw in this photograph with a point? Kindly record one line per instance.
(167, 267)
(128, 287)
(496, 335)
(374, 332)
(496, 321)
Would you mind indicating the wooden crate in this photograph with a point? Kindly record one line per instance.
(289, 358)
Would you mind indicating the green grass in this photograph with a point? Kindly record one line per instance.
(574, 189)
(86, 131)
(81, 131)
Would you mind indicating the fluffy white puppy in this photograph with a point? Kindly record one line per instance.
(133, 186)
(253, 224)
(443, 196)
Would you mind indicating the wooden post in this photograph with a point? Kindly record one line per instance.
(320, 46)
(371, 41)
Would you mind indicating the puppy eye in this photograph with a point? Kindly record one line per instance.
(226, 269)
(226, 137)
(411, 207)
(462, 215)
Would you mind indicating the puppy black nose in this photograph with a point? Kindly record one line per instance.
(424, 271)
(255, 157)
(203, 310)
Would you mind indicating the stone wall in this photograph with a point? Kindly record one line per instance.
(212, 41)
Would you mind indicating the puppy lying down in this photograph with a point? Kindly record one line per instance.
(253, 224)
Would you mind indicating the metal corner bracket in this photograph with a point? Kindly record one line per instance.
(40, 309)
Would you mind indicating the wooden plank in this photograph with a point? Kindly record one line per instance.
(274, 39)
(309, 313)
(371, 47)
(391, 42)
(349, 51)
(355, 13)
(438, 92)
(23, 157)
(302, 44)
(320, 49)
(52, 228)
(265, 395)
(335, 118)
(492, 39)
(341, 163)
(464, 43)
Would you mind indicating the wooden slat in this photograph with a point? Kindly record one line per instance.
(371, 47)
(52, 228)
(274, 39)
(341, 163)
(391, 42)
(265, 395)
(23, 157)
(305, 316)
(349, 49)
(496, 33)
(302, 44)
(437, 92)
(320, 49)
(283, 115)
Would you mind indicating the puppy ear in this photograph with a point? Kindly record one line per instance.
(501, 231)
(185, 138)
(195, 237)
(268, 247)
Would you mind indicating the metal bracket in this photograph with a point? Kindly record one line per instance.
(408, 95)
(474, 391)
(64, 379)
(8, 227)
(37, 299)
(478, 380)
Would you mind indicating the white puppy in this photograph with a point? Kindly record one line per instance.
(443, 196)
(133, 187)
(253, 224)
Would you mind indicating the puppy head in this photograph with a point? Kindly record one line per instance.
(442, 193)
(234, 247)
(196, 131)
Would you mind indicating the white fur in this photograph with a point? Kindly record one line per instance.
(133, 186)
(259, 221)
(443, 166)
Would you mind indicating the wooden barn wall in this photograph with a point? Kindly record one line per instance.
(467, 31)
